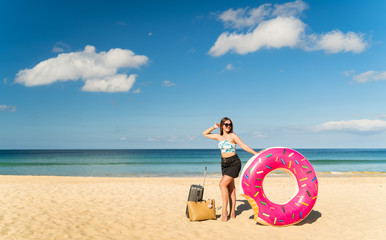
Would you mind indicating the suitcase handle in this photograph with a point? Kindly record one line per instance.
(204, 178)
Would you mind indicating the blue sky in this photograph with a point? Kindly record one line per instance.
(156, 74)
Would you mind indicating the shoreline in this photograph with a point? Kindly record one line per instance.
(218, 175)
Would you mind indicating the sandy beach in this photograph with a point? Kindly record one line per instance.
(349, 206)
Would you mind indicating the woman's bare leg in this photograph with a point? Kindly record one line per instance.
(224, 183)
(232, 198)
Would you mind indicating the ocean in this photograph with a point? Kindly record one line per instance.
(168, 162)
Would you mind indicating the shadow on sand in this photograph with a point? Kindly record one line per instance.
(311, 218)
(244, 206)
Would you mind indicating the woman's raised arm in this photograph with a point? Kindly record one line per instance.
(208, 132)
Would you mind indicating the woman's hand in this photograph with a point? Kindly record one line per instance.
(216, 125)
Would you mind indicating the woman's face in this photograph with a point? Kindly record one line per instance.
(227, 127)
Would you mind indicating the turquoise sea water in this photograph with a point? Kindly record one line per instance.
(168, 162)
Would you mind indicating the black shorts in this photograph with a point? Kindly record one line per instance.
(231, 166)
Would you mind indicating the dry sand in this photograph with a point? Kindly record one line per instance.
(39, 207)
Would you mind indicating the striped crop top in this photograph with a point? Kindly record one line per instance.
(226, 147)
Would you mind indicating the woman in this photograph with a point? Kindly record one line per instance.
(230, 163)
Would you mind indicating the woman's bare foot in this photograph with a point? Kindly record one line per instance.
(224, 216)
(232, 216)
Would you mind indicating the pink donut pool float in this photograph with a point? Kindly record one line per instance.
(298, 167)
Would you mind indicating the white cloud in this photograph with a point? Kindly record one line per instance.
(277, 26)
(123, 139)
(243, 17)
(289, 9)
(154, 139)
(355, 126)
(173, 139)
(56, 49)
(229, 67)
(349, 73)
(138, 90)
(6, 108)
(60, 47)
(246, 17)
(167, 83)
(275, 33)
(97, 70)
(336, 41)
(192, 138)
(370, 76)
(115, 83)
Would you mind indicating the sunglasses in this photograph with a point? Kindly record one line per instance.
(228, 124)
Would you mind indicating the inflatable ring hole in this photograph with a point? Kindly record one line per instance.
(280, 186)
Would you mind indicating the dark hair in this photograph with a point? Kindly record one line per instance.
(222, 124)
